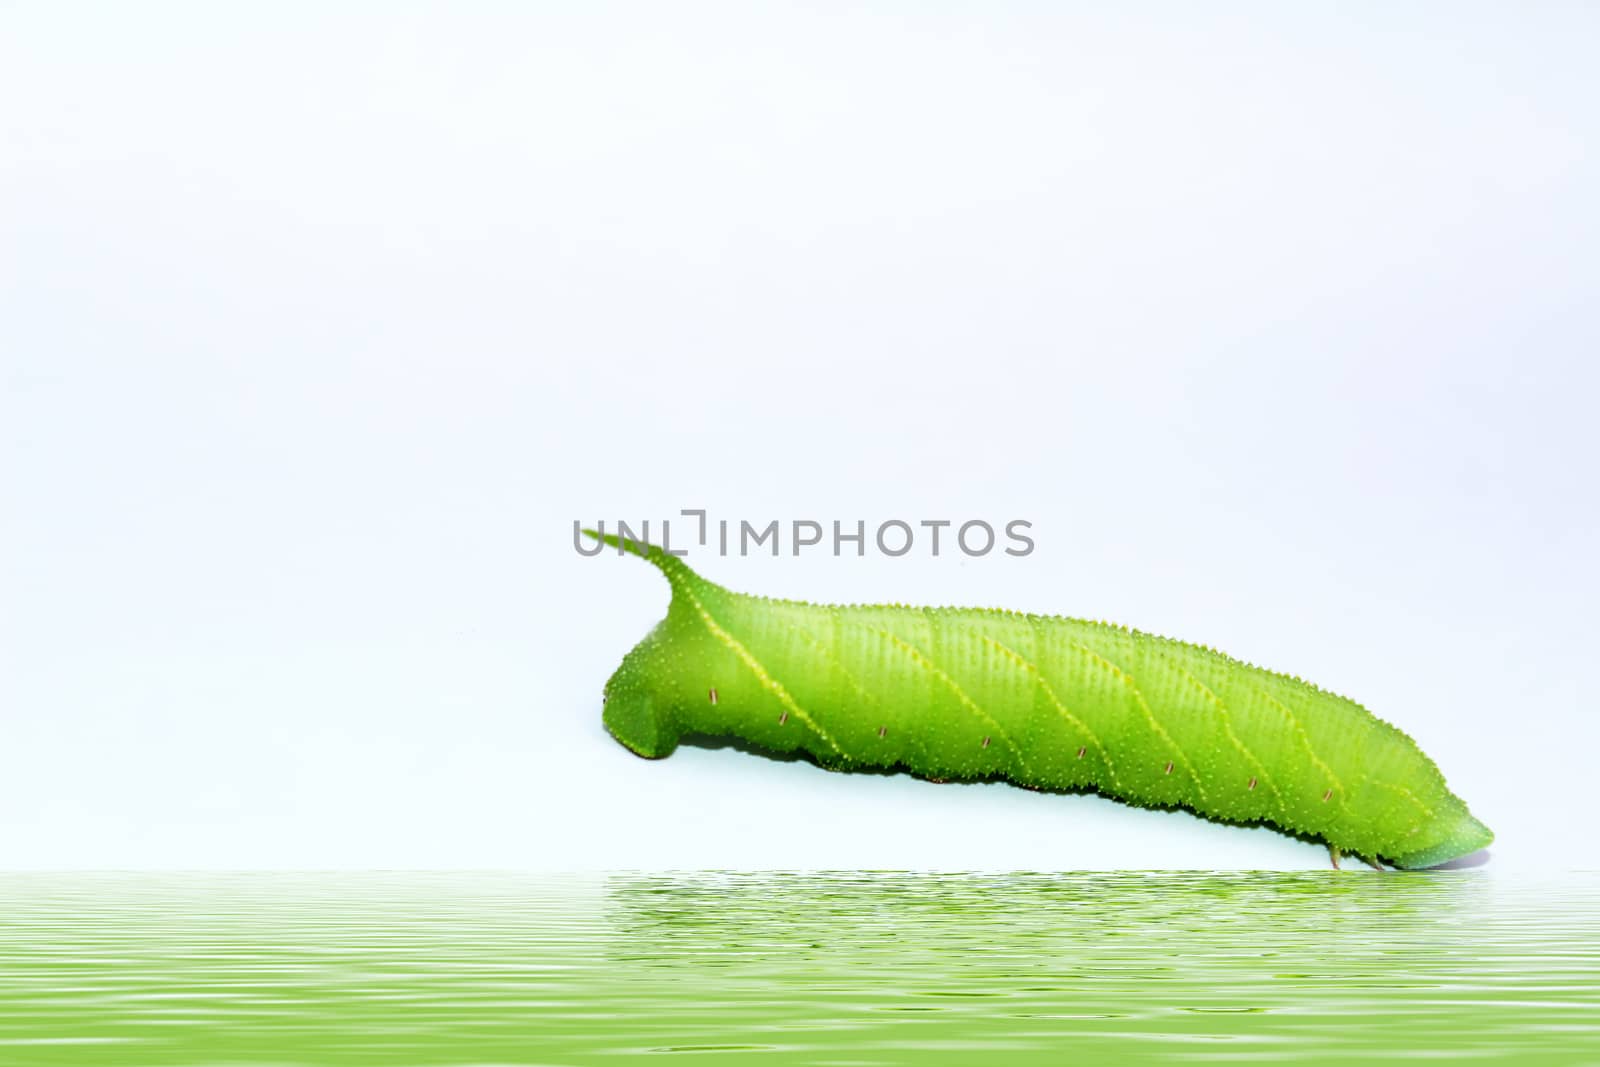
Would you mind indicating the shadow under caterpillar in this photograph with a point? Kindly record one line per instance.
(1045, 702)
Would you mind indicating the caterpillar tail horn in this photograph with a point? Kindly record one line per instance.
(633, 713)
(670, 565)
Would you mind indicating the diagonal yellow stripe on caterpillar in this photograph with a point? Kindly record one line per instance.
(1144, 706)
(1226, 718)
(1305, 739)
(1016, 658)
(1038, 678)
(922, 660)
(1337, 785)
(767, 680)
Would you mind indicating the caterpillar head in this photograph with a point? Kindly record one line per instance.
(1453, 833)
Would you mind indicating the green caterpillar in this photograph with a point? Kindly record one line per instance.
(1045, 702)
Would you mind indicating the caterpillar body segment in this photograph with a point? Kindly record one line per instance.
(1044, 702)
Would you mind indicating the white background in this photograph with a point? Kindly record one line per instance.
(319, 330)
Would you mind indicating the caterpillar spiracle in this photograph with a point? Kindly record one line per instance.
(1050, 703)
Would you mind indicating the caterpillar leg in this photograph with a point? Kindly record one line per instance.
(1374, 864)
(632, 717)
(1333, 854)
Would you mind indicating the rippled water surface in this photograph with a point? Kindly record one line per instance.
(850, 968)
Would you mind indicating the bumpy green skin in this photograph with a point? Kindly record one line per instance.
(1045, 702)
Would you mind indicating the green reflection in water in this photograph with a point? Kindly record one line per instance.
(848, 968)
